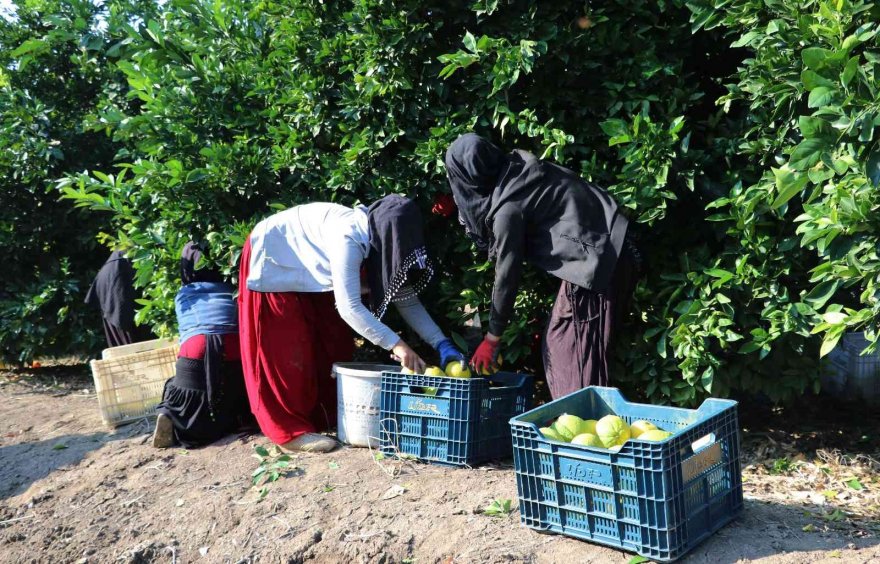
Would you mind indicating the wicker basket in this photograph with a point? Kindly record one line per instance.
(130, 387)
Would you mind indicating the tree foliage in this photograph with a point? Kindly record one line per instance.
(739, 136)
(52, 69)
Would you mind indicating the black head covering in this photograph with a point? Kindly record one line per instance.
(473, 166)
(397, 263)
(189, 259)
(113, 291)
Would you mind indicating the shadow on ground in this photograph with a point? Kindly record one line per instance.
(22, 464)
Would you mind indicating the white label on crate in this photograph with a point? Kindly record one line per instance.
(700, 462)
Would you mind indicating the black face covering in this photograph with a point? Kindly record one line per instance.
(189, 258)
(397, 264)
(473, 166)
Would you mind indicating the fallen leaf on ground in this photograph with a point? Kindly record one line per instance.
(394, 491)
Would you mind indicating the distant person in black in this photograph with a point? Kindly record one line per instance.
(113, 293)
(519, 209)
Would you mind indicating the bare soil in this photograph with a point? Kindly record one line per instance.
(72, 491)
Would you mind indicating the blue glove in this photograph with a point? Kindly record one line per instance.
(448, 353)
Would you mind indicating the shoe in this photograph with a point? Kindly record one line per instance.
(163, 436)
(310, 442)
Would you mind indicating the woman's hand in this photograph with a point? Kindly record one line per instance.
(407, 357)
(485, 359)
(448, 353)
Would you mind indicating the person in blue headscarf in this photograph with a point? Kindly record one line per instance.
(206, 399)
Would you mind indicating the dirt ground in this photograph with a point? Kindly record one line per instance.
(72, 491)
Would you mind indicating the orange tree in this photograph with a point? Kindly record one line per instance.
(53, 70)
(738, 135)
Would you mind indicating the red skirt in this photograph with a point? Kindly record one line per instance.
(289, 342)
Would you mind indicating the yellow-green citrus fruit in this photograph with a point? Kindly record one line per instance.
(457, 369)
(434, 371)
(615, 448)
(405, 370)
(639, 427)
(570, 426)
(590, 426)
(549, 433)
(612, 430)
(655, 435)
(587, 439)
(430, 391)
(488, 372)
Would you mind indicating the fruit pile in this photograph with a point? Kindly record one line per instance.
(610, 432)
(455, 369)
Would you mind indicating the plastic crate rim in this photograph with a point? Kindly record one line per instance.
(524, 379)
(715, 404)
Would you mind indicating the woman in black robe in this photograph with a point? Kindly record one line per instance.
(113, 293)
(519, 209)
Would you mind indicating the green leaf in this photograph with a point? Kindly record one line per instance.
(855, 484)
(813, 127)
(261, 451)
(219, 16)
(812, 80)
(499, 508)
(470, 42)
(707, 379)
(807, 153)
(828, 343)
(720, 273)
(867, 131)
(788, 183)
(661, 345)
(59, 446)
(30, 46)
(638, 559)
(746, 39)
(849, 72)
(614, 127)
(820, 96)
(823, 292)
(815, 57)
(872, 167)
(154, 30)
(459, 342)
(834, 317)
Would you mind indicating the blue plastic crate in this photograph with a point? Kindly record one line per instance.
(464, 423)
(658, 499)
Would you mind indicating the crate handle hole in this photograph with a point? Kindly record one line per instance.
(703, 442)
